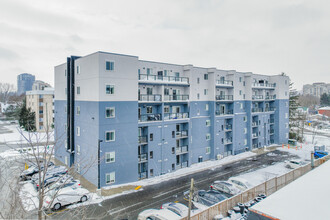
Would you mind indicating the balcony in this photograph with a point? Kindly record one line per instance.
(150, 117)
(228, 127)
(163, 79)
(270, 97)
(257, 97)
(254, 135)
(175, 116)
(271, 132)
(181, 150)
(272, 121)
(224, 97)
(176, 97)
(264, 85)
(254, 145)
(182, 165)
(181, 134)
(221, 113)
(228, 141)
(143, 175)
(150, 98)
(256, 110)
(225, 83)
(254, 124)
(270, 109)
(143, 140)
(143, 158)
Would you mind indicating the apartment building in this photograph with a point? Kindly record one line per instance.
(41, 103)
(316, 89)
(145, 119)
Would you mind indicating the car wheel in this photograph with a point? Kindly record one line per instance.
(83, 199)
(57, 206)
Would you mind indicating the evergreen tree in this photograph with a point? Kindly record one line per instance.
(293, 116)
(27, 118)
(325, 99)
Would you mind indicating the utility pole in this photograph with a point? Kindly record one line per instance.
(190, 196)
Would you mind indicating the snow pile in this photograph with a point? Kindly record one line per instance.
(29, 196)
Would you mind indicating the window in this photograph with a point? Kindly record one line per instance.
(110, 89)
(110, 157)
(173, 150)
(173, 134)
(110, 112)
(151, 154)
(149, 109)
(166, 91)
(240, 79)
(287, 135)
(78, 131)
(173, 166)
(286, 82)
(66, 91)
(167, 109)
(78, 90)
(110, 178)
(243, 83)
(241, 106)
(245, 142)
(198, 96)
(286, 104)
(208, 150)
(221, 140)
(151, 172)
(286, 93)
(206, 107)
(66, 160)
(245, 130)
(208, 136)
(110, 136)
(206, 91)
(78, 167)
(286, 115)
(149, 91)
(245, 118)
(208, 123)
(243, 96)
(65, 72)
(198, 80)
(78, 110)
(240, 92)
(206, 76)
(65, 109)
(78, 149)
(149, 71)
(109, 65)
(78, 71)
(151, 137)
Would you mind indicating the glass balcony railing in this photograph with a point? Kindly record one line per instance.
(176, 97)
(182, 165)
(143, 175)
(254, 110)
(150, 117)
(257, 97)
(143, 157)
(271, 132)
(254, 124)
(228, 127)
(270, 109)
(173, 116)
(228, 140)
(150, 98)
(270, 97)
(225, 82)
(254, 146)
(224, 97)
(228, 112)
(143, 140)
(181, 149)
(254, 135)
(174, 79)
(267, 85)
(183, 133)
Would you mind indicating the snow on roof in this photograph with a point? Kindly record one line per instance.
(305, 198)
(325, 108)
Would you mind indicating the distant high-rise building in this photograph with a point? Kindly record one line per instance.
(316, 89)
(24, 82)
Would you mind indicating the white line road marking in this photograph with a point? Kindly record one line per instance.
(159, 195)
(114, 212)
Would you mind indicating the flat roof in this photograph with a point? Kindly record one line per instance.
(49, 91)
(305, 198)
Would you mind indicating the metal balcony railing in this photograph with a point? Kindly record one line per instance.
(176, 97)
(254, 124)
(183, 133)
(146, 77)
(225, 82)
(268, 85)
(150, 117)
(143, 140)
(257, 97)
(271, 132)
(224, 97)
(150, 98)
(254, 135)
(143, 175)
(143, 158)
(270, 97)
(228, 112)
(270, 109)
(272, 121)
(181, 149)
(254, 145)
(228, 127)
(257, 110)
(182, 165)
(174, 116)
(228, 140)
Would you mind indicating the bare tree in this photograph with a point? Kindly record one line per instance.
(5, 90)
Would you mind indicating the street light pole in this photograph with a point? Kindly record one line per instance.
(98, 163)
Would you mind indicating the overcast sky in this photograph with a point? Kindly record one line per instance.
(259, 36)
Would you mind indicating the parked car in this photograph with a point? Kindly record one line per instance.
(159, 214)
(64, 183)
(54, 179)
(65, 196)
(52, 171)
(240, 183)
(210, 197)
(225, 187)
(319, 154)
(33, 169)
(178, 208)
(294, 164)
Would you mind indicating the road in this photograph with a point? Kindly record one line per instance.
(130, 205)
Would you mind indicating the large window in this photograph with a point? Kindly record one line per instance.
(110, 89)
(206, 76)
(208, 150)
(110, 178)
(110, 136)
(110, 112)
(208, 136)
(110, 65)
(166, 109)
(149, 109)
(78, 90)
(78, 110)
(110, 157)
(78, 149)
(78, 131)
(208, 123)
